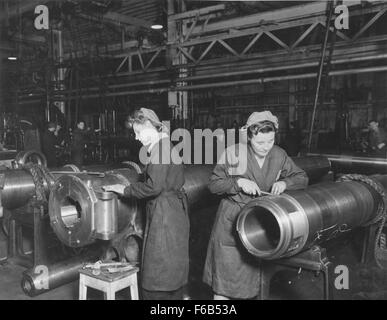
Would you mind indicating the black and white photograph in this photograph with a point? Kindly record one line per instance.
(193, 154)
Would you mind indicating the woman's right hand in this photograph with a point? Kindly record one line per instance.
(249, 186)
(116, 188)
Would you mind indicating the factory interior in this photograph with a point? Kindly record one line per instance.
(88, 88)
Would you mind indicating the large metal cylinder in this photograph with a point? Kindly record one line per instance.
(19, 186)
(316, 167)
(43, 278)
(273, 227)
(355, 164)
(74, 207)
(80, 212)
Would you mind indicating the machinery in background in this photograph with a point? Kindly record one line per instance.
(18, 132)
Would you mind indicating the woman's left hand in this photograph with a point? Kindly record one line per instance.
(117, 188)
(278, 187)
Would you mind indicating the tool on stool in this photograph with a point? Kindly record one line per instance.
(109, 267)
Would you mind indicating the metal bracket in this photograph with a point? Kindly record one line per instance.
(314, 259)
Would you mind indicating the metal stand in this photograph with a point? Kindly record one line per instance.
(38, 221)
(313, 259)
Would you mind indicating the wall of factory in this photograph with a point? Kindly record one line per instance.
(350, 102)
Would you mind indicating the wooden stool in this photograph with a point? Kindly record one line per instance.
(109, 283)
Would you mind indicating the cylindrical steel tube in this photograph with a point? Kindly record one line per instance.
(196, 181)
(101, 215)
(81, 191)
(44, 278)
(355, 164)
(18, 188)
(316, 167)
(76, 208)
(274, 227)
(19, 185)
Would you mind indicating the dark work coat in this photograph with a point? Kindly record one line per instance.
(165, 249)
(376, 138)
(229, 269)
(78, 146)
(49, 141)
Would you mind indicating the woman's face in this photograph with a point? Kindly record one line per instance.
(81, 125)
(145, 133)
(262, 143)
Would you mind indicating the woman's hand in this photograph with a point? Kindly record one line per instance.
(248, 186)
(117, 188)
(278, 187)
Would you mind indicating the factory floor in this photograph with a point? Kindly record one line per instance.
(366, 281)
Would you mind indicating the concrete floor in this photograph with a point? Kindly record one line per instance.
(366, 281)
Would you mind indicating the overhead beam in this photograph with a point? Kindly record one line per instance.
(287, 14)
(26, 6)
(197, 12)
(374, 45)
(307, 20)
(126, 20)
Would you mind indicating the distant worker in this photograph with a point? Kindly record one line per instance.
(50, 144)
(377, 139)
(80, 135)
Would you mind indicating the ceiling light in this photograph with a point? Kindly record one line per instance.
(157, 26)
(12, 58)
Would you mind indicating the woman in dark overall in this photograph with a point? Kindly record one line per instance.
(229, 269)
(79, 138)
(165, 258)
(50, 143)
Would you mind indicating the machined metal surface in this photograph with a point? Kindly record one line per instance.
(356, 164)
(102, 215)
(316, 167)
(30, 156)
(273, 227)
(99, 215)
(19, 186)
(99, 218)
(43, 278)
(71, 209)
